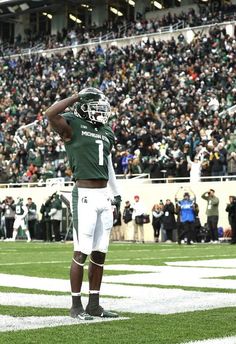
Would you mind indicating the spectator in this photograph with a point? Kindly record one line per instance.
(212, 212)
(138, 211)
(157, 215)
(74, 36)
(169, 222)
(46, 220)
(127, 218)
(176, 111)
(8, 209)
(186, 210)
(216, 162)
(231, 163)
(117, 232)
(56, 216)
(31, 216)
(195, 170)
(231, 209)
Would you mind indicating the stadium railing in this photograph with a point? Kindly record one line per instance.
(145, 177)
(170, 30)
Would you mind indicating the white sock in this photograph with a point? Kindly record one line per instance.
(14, 234)
(94, 291)
(28, 235)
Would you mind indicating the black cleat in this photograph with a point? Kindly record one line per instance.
(80, 314)
(100, 312)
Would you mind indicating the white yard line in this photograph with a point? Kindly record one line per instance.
(135, 299)
(32, 263)
(180, 263)
(223, 263)
(8, 323)
(225, 340)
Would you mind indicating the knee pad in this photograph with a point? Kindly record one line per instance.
(79, 258)
(98, 258)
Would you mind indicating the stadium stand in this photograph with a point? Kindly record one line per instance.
(116, 29)
(169, 99)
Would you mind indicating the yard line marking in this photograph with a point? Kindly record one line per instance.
(30, 263)
(9, 323)
(108, 260)
(135, 300)
(225, 340)
(124, 259)
(5, 251)
(224, 263)
(138, 299)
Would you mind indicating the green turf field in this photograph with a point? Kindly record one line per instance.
(152, 272)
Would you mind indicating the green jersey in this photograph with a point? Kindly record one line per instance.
(19, 209)
(89, 148)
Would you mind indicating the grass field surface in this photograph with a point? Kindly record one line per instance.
(164, 293)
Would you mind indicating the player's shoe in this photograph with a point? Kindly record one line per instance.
(80, 314)
(100, 312)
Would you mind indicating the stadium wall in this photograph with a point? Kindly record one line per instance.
(149, 192)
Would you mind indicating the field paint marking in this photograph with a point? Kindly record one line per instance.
(31, 263)
(179, 276)
(135, 300)
(122, 259)
(225, 340)
(223, 263)
(9, 323)
(160, 275)
(138, 299)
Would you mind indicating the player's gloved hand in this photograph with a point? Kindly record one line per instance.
(117, 202)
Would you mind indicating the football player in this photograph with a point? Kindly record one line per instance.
(20, 219)
(88, 142)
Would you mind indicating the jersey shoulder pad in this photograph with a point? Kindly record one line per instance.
(69, 116)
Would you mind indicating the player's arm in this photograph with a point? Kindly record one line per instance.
(113, 184)
(112, 178)
(57, 122)
(25, 209)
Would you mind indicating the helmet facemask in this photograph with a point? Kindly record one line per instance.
(93, 106)
(97, 111)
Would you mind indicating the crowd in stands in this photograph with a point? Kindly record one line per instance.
(119, 28)
(168, 99)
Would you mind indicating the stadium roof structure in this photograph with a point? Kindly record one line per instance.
(11, 9)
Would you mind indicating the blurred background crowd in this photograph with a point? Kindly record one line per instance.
(118, 28)
(168, 98)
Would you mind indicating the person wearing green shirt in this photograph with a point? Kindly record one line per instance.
(212, 212)
(88, 142)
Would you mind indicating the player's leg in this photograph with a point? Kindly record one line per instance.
(84, 220)
(26, 230)
(76, 279)
(97, 259)
(16, 226)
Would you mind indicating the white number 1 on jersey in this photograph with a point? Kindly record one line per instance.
(100, 152)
